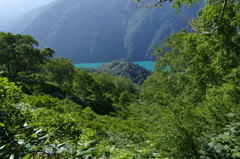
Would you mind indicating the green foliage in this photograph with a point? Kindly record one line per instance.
(18, 53)
(10, 94)
(60, 70)
(90, 93)
(181, 111)
(17, 138)
(32, 85)
(28, 141)
(122, 84)
(225, 144)
(123, 69)
(199, 88)
(45, 101)
(21, 140)
(11, 119)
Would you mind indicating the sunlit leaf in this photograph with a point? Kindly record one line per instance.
(11, 157)
(26, 156)
(111, 149)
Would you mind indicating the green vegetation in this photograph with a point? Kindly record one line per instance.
(189, 111)
(125, 69)
(18, 54)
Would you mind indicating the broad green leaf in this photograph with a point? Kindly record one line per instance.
(26, 156)
(88, 142)
(92, 148)
(71, 149)
(43, 137)
(16, 127)
(35, 148)
(81, 153)
(111, 149)
(34, 135)
(237, 154)
(59, 150)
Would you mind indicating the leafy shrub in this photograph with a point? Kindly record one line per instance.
(223, 145)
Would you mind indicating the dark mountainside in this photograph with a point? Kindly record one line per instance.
(149, 27)
(81, 31)
(100, 31)
(136, 73)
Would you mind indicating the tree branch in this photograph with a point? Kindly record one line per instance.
(200, 26)
(149, 4)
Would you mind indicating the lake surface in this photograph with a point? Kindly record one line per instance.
(146, 64)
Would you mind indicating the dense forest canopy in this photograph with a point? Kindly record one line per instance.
(54, 110)
(125, 69)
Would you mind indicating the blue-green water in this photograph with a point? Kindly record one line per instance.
(146, 64)
(92, 65)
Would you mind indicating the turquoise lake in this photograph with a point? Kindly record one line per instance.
(146, 64)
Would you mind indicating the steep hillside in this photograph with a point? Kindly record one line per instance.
(82, 31)
(21, 22)
(100, 31)
(149, 27)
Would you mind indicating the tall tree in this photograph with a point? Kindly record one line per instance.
(91, 93)
(60, 70)
(201, 85)
(19, 53)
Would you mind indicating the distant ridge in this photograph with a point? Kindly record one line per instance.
(98, 31)
(124, 69)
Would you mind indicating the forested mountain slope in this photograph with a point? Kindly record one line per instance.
(149, 27)
(101, 31)
(79, 30)
(136, 73)
(51, 109)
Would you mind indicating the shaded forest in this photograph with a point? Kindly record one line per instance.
(50, 109)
